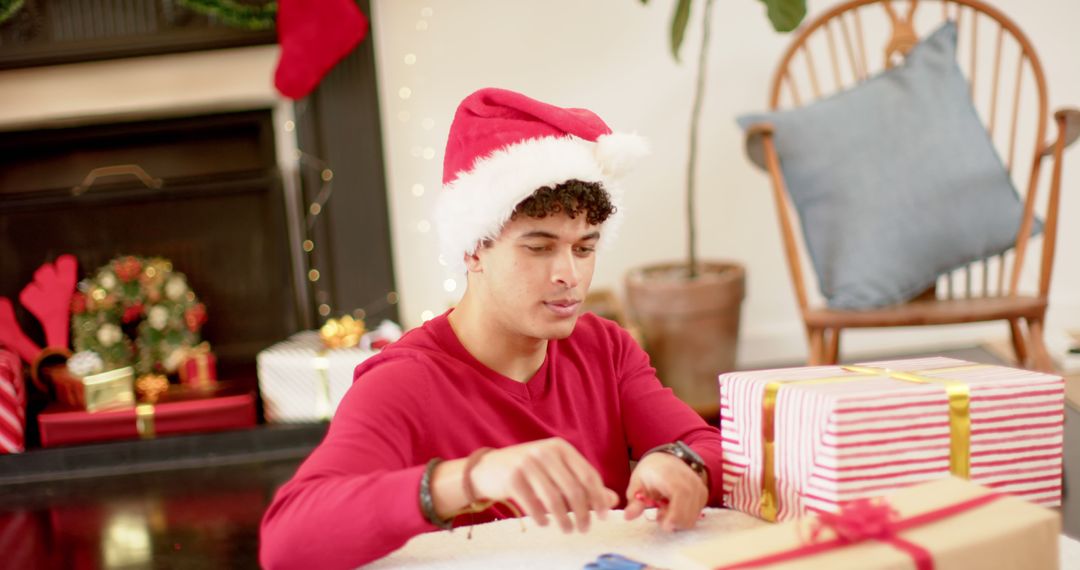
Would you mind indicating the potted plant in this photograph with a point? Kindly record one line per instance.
(688, 312)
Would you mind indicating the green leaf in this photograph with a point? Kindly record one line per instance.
(678, 26)
(785, 15)
(8, 8)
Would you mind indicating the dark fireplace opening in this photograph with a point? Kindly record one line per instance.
(219, 216)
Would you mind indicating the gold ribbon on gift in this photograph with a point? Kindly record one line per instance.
(959, 410)
(959, 421)
(335, 333)
(322, 393)
(144, 420)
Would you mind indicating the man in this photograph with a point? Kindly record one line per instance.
(514, 399)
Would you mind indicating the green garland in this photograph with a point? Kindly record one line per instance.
(238, 14)
(249, 16)
(8, 9)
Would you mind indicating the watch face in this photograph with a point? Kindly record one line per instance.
(687, 451)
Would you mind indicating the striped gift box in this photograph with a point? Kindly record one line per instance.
(12, 404)
(302, 381)
(810, 439)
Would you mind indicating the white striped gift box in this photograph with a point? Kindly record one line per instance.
(12, 404)
(301, 381)
(844, 433)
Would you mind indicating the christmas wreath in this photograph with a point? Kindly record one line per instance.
(137, 311)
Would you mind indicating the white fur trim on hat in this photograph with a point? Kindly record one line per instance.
(618, 153)
(476, 204)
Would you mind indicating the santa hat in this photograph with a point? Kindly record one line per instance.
(503, 146)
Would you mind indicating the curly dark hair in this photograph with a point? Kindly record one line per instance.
(572, 197)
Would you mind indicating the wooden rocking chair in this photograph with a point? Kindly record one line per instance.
(984, 291)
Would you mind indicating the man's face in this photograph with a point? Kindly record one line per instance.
(533, 279)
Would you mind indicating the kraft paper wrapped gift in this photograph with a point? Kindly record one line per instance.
(948, 524)
(303, 381)
(810, 439)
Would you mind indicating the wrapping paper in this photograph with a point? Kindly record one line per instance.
(303, 381)
(844, 433)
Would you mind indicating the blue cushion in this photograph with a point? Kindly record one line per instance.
(896, 181)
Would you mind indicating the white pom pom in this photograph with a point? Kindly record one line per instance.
(617, 153)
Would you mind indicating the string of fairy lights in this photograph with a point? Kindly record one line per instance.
(422, 147)
(315, 208)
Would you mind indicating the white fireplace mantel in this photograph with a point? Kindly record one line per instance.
(159, 87)
(139, 88)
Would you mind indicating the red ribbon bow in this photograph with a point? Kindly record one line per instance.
(869, 519)
(859, 520)
(863, 520)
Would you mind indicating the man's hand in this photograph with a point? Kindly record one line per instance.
(677, 490)
(546, 477)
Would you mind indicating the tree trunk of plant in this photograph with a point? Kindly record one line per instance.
(691, 166)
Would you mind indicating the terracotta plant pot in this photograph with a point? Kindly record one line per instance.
(690, 327)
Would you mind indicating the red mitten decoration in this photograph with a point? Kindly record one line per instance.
(314, 35)
(12, 336)
(49, 299)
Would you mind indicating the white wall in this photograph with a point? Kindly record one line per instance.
(611, 56)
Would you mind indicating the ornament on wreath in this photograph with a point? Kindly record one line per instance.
(137, 311)
(85, 363)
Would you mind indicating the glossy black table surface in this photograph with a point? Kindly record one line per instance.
(192, 502)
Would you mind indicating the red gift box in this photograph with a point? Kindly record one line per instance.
(199, 369)
(61, 426)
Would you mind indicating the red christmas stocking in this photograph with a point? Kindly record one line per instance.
(314, 35)
(49, 299)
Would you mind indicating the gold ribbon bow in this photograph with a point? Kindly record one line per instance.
(959, 421)
(342, 333)
(201, 349)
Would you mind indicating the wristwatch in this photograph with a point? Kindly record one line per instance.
(687, 455)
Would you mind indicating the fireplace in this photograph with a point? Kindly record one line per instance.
(210, 199)
(232, 210)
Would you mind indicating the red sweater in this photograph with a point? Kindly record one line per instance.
(355, 499)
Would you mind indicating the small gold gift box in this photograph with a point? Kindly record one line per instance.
(110, 390)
